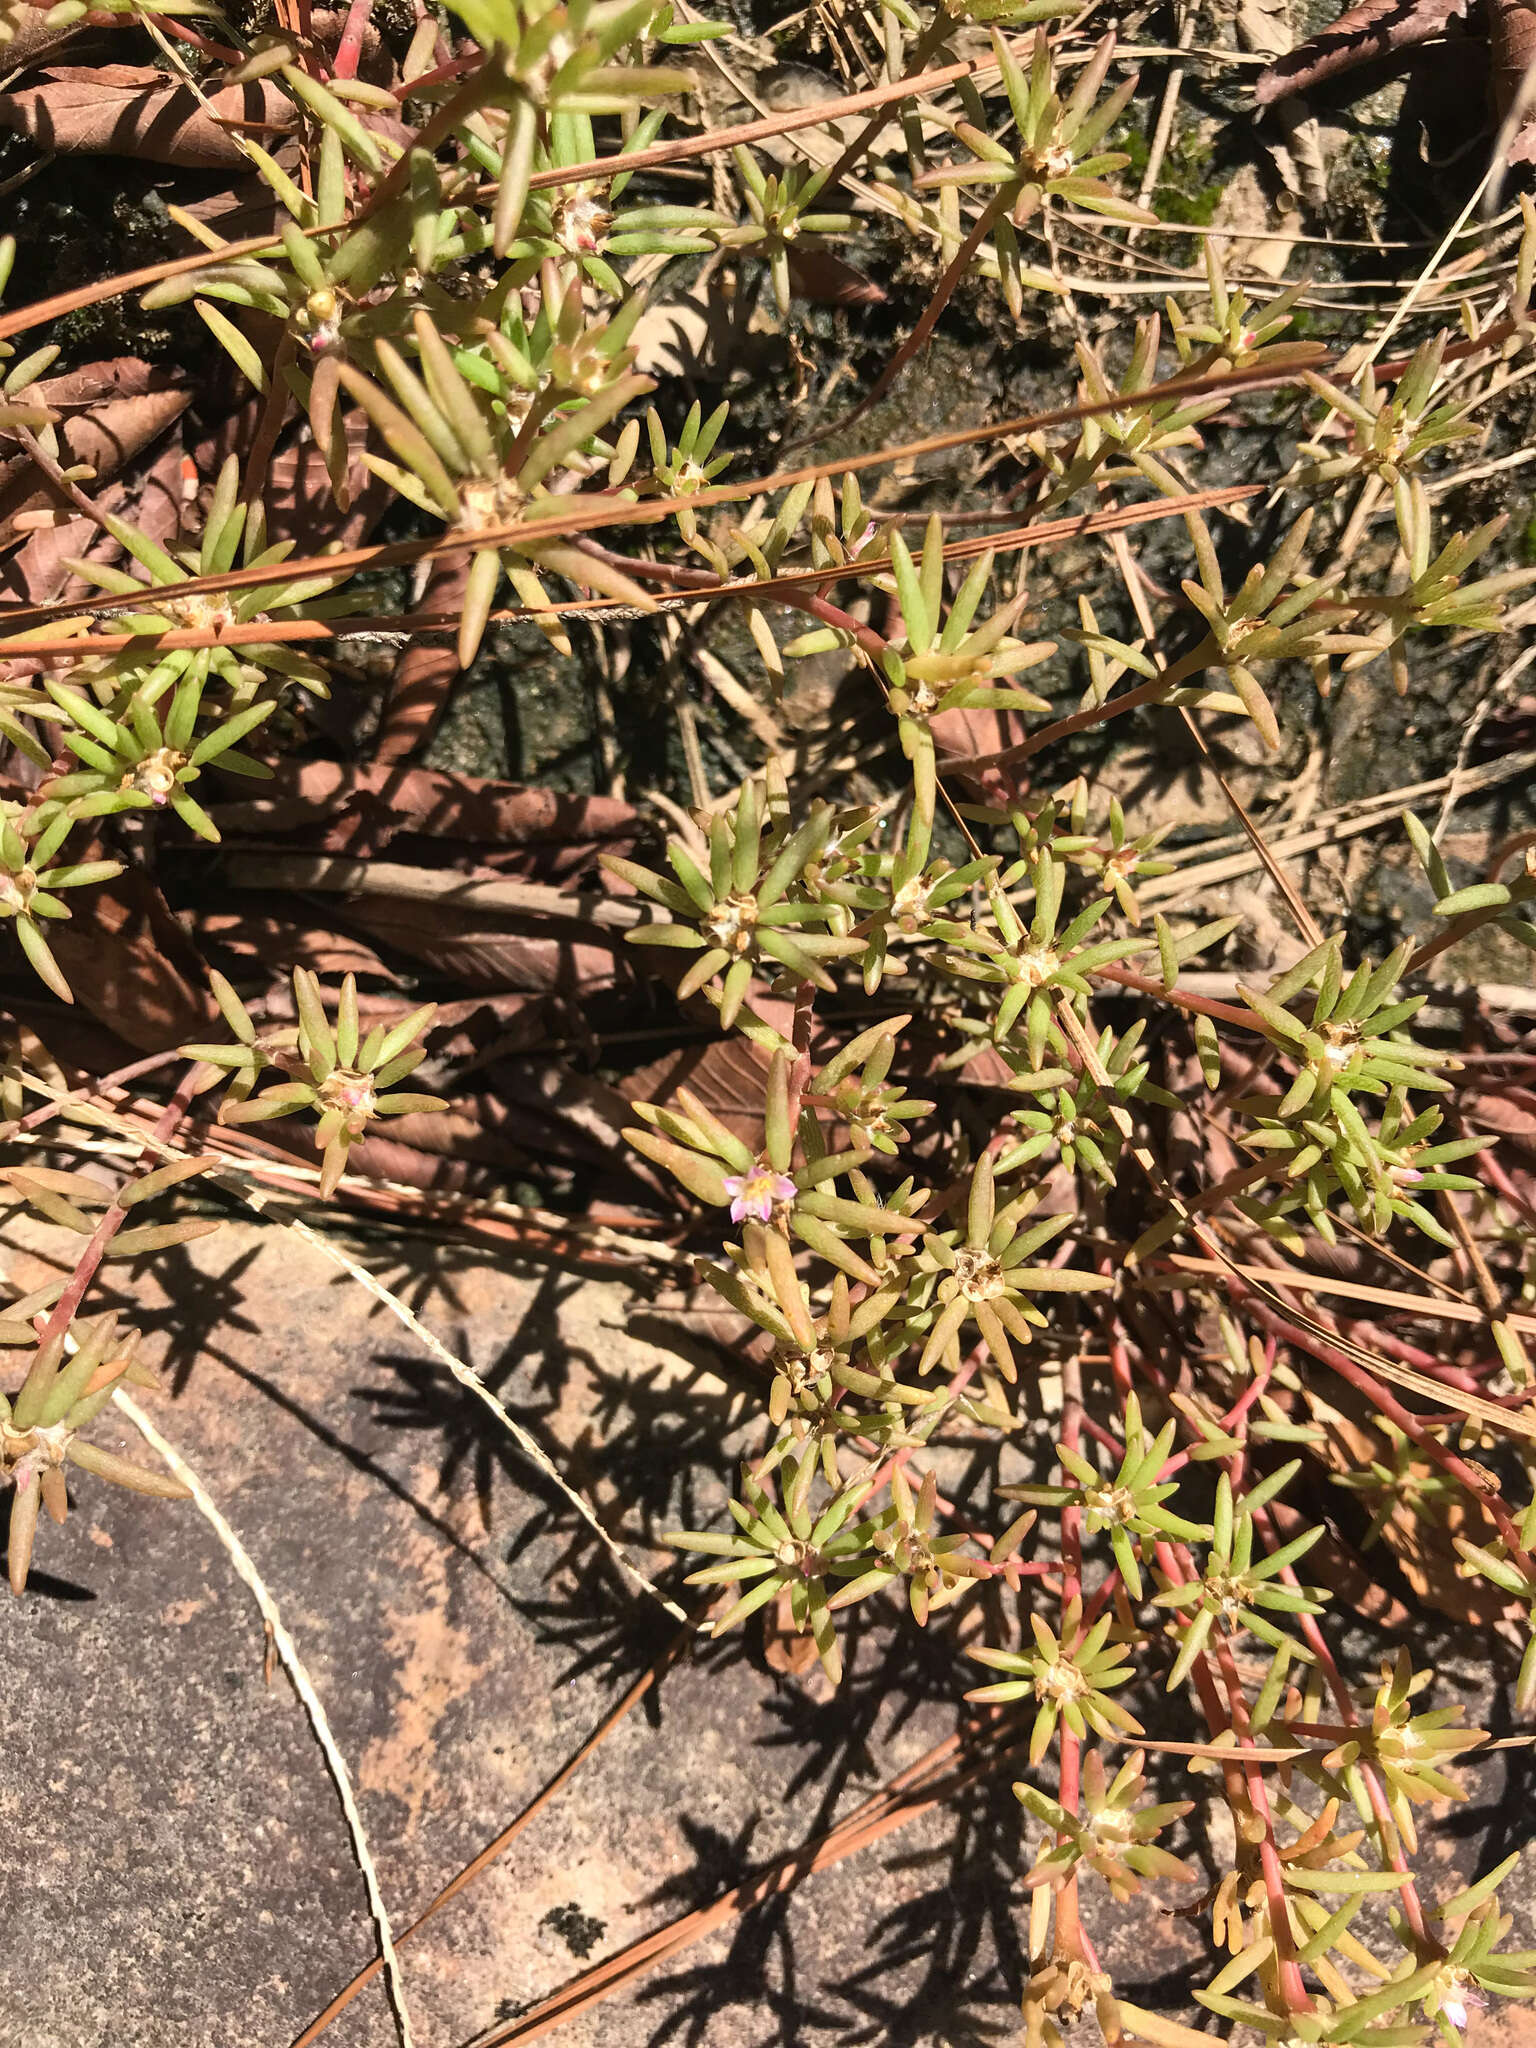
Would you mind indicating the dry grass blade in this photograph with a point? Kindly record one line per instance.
(492, 1850)
(371, 626)
(470, 1380)
(303, 1685)
(1351, 1290)
(464, 1374)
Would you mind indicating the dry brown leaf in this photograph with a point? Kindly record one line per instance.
(821, 275)
(134, 405)
(150, 497)
(425, 671)
(1509, 1111)
(278, 944)
(34, 40)
(964, 733)
(111, 434)
(1422, 1544)
(785, 1649)
(135, 110)
(129, 963)
(1512, 46)
(300, 506)
(360, 810)
(728, 1077)
(247, 206)
(1372, 30)
(542, 1114)
(96, 384)
(479, 955)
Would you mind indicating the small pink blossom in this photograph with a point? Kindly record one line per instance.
(754, 1194)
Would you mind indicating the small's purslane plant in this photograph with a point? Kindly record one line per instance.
(1035, 1277)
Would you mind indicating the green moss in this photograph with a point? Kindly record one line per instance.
(1189, 208)
(1185, 193)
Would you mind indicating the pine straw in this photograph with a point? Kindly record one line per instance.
(915, 1791)
(493, 1850)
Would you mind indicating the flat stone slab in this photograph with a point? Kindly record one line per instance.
(181, 1873)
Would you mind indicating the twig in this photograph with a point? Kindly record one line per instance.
(1162, 133)
(333, 875)
(465, 1375)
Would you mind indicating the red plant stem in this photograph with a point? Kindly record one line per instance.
(1292, 1989)
(409, 87)
(1412, 1425)
(1103, 1437)
(598, 509)
(1071, 1937)
(1468, 1378)
(1120, 1363)
(804, 1024)
(350, 49)
(1245, 1785)
(898, 1462)
(1100, 1598)
(681, 577)
(471, 96)
(1206, 1006)
(1152, 691)
(1317, 1642)
(1246, 1781)
(112, 1221)
(219, 52)
(92, 1089)
(1011, 1569)
(1237, 1415)
(943, 292)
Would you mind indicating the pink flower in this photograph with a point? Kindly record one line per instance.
(754, 1194)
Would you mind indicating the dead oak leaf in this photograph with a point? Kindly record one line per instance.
(362, 809)
(1357, 36)
(105, 437)
(137, 111)
(1421, 1540)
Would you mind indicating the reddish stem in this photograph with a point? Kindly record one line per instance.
(1412, 1425)
(409, 87)
(1071, 1937)
(112, 1221)
(220, 53)
(1245, 1783)
(350, 49)
(1317, 1642)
